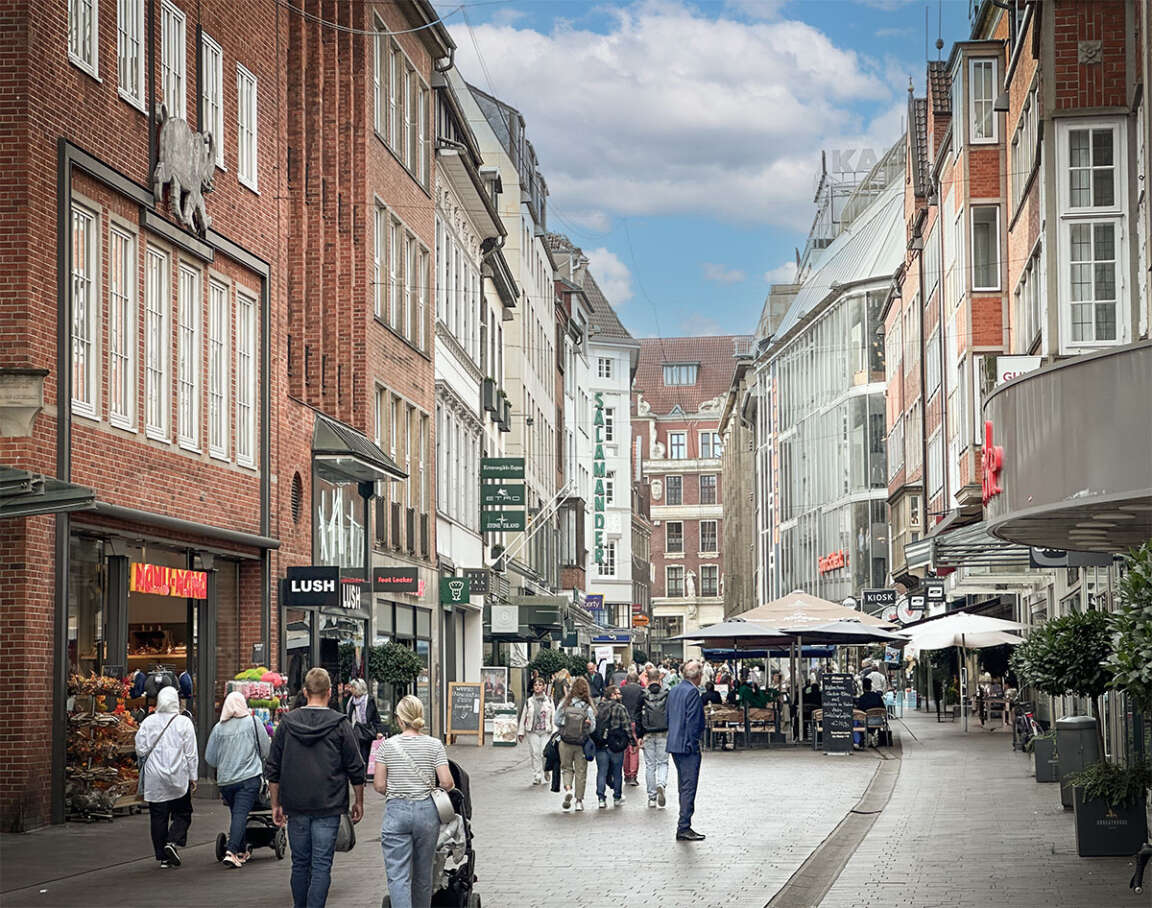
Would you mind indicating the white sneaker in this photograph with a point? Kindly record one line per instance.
(579, 805)
(232, 860)
(602, 803)
(535, 780)
(568, 800)
(618, 801)
(652, 801)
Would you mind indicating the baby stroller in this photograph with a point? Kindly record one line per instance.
(455, 858)
(260, 831)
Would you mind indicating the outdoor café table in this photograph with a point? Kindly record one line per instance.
(723, 720)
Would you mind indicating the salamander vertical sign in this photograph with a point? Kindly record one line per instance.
(599, 474)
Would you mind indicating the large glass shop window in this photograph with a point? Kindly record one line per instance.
(339, 525)
(85, 605)
(298, 630)
(342, 649)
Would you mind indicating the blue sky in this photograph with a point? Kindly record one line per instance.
(681, 140)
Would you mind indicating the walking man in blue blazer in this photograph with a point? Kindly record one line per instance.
(685, 726)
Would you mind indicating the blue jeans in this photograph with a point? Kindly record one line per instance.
(313, 841)
(655, 761)
(240, 798)
(688, 772)
(609, 771)
(408, 839)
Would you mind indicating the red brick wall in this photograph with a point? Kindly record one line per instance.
(1095, 84)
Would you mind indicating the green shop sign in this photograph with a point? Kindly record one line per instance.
(502, 521)
(501, 467)
(599, 473)
(454, 590)
(502, 494)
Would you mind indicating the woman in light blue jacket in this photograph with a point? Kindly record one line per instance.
(237, 748)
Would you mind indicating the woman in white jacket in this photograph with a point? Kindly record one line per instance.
(169, 764)
(536, 725)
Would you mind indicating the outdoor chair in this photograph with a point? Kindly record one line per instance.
(817, 721)
(876, 721)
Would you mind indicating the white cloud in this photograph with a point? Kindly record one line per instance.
(669, 111)
(612, 275)
(722, 274)
(784, 273)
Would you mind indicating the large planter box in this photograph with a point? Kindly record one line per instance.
(1047, 767)
(1104, 831)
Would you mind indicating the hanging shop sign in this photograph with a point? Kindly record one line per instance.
(599, 474)
(1010, 367)
(501, 467)
(502, 494)
(502, 521)
(992, 463)
(158, 580)
(505, 619)
(352, 593)
(640, 620)
(312, 585)
(454, 590)
(876, 601)
(478, 579)
(934, 592)
(832, 561)
(396, 580)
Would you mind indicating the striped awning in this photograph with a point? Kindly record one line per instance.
(967, 546)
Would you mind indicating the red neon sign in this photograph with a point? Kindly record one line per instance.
(832, 561)
(992, 462)
(167, 581)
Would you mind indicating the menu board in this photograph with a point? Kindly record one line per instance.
(466, 709)
(838, 698)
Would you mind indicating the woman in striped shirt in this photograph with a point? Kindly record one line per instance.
(408, 766)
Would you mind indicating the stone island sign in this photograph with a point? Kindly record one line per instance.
(187, 166)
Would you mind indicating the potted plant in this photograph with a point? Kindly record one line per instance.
(1111, 820)
(394, 664)
(1067, 656)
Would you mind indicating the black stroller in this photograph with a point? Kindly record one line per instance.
(260, 832)
(456, 886)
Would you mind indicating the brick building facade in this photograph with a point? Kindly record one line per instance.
(193, 396)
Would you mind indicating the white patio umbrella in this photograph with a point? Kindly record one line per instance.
(964, 631)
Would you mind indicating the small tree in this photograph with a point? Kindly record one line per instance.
(1131, 658)
(394, 663)
(549, 661)
(577, 666)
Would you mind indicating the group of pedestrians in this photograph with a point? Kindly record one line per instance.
(315, 759)
(596, 720)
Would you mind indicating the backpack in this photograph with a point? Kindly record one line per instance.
(572, 731)
(655, 709)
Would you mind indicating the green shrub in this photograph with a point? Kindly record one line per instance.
(549, 661)
(393, 663)
(1131, 658)
(1119, 786)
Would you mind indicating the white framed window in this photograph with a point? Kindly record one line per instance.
(379, 251)
(121, 328)
(394, 64)
(85, 310)
(931, 260)
(982, 90)
(157, 305)
(609, 424)
(604, 367)
(421, 453)
(1092, 167)
(421, 135)
(422, 301)
(188, 359)
(607, 567)
(219, 325)
(379, 77)
(958, 116)
(709, 536)
(247, 133)
(710, 580)
(932, 362)
(441, 288)
(173, 60)
(212, 93)
(677, 446)
(708, 489)
(130, 51)
(985, 247)
(710, 446)
(674, 581)
(1022, 154)
(674, 489)
(610, 487)
(406, 114)
(84, 35)
(394, 275)
(913, 438)
(678, 374)
(895, 447)
(935, 463)
(411, 280)
(1029, 303)
(914, 512)
(245, 379)
(1092, 280)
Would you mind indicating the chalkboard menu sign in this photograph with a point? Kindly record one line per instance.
(838, 699)
(466, 709)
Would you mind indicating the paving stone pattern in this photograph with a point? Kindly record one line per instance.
(968, 827)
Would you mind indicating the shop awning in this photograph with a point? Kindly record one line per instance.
(968, 546)
(344, 455)
(24, 494)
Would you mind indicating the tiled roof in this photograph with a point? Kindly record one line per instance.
(940, 86)
(918, 116)
(715, 357)
(572, 265)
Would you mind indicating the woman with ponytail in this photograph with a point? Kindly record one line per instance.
(408, 766)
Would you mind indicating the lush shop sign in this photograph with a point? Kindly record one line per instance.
(159, 580)
(599, 473)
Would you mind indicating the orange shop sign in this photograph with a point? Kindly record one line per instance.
(168, 581)
(832, 561)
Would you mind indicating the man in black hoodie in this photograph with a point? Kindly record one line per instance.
(314, 757)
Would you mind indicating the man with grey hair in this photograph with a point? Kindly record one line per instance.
(685, 726)
(652, 736)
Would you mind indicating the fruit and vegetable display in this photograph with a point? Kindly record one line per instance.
(266, 692)
(101, 769)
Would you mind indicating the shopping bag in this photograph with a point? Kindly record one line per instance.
(372, 751)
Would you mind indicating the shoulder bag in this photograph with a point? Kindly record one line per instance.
(264, 796)
(143, 761)
(439, 796)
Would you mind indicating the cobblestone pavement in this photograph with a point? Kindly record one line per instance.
(763, 812)
(967, 825)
